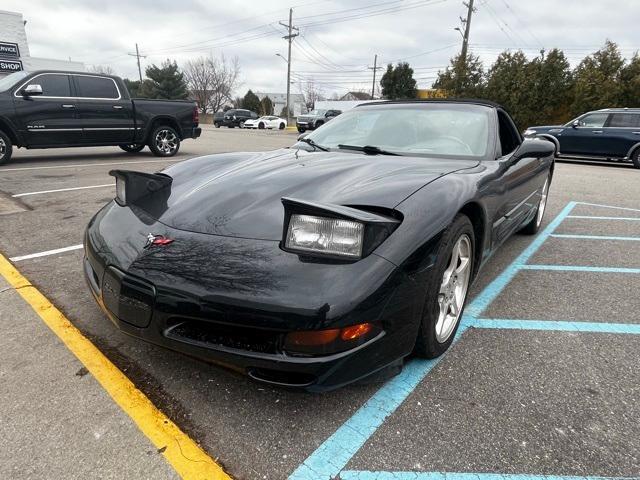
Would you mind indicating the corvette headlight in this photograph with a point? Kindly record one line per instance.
(331, 236)
(529, 132)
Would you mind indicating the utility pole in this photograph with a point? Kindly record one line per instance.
(289, 38)
(374, 68)
(137, 55)
(465, 40)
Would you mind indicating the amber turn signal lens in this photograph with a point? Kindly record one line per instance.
(355, 331)
(313, 338)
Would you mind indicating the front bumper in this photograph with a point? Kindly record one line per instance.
(233, 302)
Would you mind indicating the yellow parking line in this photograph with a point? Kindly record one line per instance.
(182, 453)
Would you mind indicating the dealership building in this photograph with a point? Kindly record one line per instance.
(14, 49)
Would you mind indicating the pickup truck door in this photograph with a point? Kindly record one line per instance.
(48, 119)
(106, 117)
(586, 139)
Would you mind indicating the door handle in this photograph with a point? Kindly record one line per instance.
(636, 133)
(597, 131)
(67, 105)
(118, 107)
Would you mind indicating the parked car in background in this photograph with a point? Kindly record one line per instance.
(268, 121)
(315, 118)
(237, 116)
(218, 119)
(609, 134)
(49, 109)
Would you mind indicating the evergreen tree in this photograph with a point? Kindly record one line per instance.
(266, 106)
(398, 82)
(552, 88)
(166, 81)
(462, 79)
(630, 83)
(251, 102)
(133, 86)
(597, 80)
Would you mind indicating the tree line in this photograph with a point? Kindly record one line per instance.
(537, 91)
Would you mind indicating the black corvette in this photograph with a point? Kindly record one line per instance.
(328, 262)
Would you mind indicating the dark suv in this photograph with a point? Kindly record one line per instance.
(315, 118)
(609, 134)
(237, 116)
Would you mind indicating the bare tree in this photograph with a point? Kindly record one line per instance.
(101, 69)
(226, 79)
(199, 76)
(311, 94)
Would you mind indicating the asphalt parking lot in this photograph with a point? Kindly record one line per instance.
(543, 380)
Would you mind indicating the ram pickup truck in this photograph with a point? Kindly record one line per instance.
(49, 109)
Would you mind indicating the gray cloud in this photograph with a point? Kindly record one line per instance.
(334, 54)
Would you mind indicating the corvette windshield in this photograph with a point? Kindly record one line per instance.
(411, 129)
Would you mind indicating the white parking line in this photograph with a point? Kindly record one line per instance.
(81, 165)
(48, 252)
(62, 190)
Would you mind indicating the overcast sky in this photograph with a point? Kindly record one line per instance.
(338, 38)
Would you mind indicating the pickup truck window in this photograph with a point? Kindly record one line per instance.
(52, 85)
(96, 87)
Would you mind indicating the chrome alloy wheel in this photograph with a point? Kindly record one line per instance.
(453, 289)
(543, 202)
(166, 141)
(3, 148)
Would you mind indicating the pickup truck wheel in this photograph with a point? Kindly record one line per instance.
(134, 148)
(164, 141)
(6, 148)
(635, 158)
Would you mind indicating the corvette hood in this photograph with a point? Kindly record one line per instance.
(240, 194)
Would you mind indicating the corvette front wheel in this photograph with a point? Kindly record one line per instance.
(447, 289)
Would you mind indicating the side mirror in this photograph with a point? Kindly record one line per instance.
(302, 135)
(533, 148)
(31, 90)
(576, 124)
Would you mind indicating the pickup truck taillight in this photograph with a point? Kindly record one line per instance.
(196, 116)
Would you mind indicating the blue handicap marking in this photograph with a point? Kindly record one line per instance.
(329, 460)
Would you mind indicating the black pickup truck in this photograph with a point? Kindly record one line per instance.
(49, 109)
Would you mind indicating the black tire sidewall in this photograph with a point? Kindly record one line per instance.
(8, 148)
(152, 142)
(281, 126)
(426, 343)
(261, 126)
(635, 158)
(126, 148)
(301, 130)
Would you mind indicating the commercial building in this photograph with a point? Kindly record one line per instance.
(14, 49)
(279, 101)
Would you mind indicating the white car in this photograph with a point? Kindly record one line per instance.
(268, 121)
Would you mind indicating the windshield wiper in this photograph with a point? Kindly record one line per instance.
(308, 141)
(368, 149)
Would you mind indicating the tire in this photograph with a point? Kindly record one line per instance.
(216, 124)
(534, 225)
(301, 130)
(444, 290)
(261, 126)
(319, 123)
(281, 126)
(161, 148)
(6, 148)
(241, 125)
(635, 158)
(132, 148)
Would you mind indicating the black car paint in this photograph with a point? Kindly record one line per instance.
(610, 141)
(226, 266)
(237, 116)
(74, 121)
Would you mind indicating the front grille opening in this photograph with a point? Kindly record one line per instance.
(212, 335)
(276, 377)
